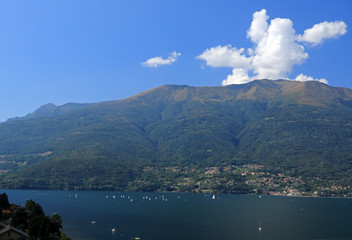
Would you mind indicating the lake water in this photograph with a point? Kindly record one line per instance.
(174, 216)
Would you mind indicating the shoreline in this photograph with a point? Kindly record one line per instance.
(173, 192)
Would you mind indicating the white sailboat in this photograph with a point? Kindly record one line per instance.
(260, 226)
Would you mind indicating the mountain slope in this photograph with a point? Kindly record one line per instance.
(51, 109)
(306, 126)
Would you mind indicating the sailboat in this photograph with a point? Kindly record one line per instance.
(260, 226)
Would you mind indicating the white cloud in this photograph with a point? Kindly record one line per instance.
(304, 78)
(277, 52)
(276, 49)
(225, 56)
(321, 31)
(159, 61)
(238, 76)
(259, 26)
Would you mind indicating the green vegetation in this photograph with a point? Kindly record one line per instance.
(299, 129)
(32, 220)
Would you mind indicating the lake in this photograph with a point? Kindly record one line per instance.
(177, 216)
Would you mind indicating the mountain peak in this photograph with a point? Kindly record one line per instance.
(276, 91)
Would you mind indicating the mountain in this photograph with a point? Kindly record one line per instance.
(304, 128)
(51, 109)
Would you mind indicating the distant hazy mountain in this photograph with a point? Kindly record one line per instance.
(51, 109)
(304, 126)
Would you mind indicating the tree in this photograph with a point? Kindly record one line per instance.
(30, 205)
(55, 224)
(44, 230)
(64, 237)
(34, 226)
(39, 227)
(34, 208)
(4, 201)
(20, 219)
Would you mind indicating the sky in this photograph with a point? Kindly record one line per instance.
(91, 51)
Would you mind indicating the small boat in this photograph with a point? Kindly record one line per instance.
(93, 222)
(260, 226)
(213, 196)
(113, 230)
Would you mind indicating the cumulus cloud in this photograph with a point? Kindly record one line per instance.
(304, 78)
(276, 49)
(322, 31)
(159, 61)
(224, 56)
(259, 26)
(239, 75)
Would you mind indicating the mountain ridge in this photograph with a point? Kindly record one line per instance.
(51, 109)
(289, 87)
(304, 127)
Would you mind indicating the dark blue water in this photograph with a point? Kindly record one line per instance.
(173, 216)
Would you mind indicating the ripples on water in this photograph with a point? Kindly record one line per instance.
(175, 216)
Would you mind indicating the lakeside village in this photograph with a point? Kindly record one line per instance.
(245, 179)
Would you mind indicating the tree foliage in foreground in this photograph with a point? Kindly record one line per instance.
(31, 219)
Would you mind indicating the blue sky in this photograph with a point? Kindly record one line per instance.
(91, 51)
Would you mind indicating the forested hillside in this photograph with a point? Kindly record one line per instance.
(302, 128)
